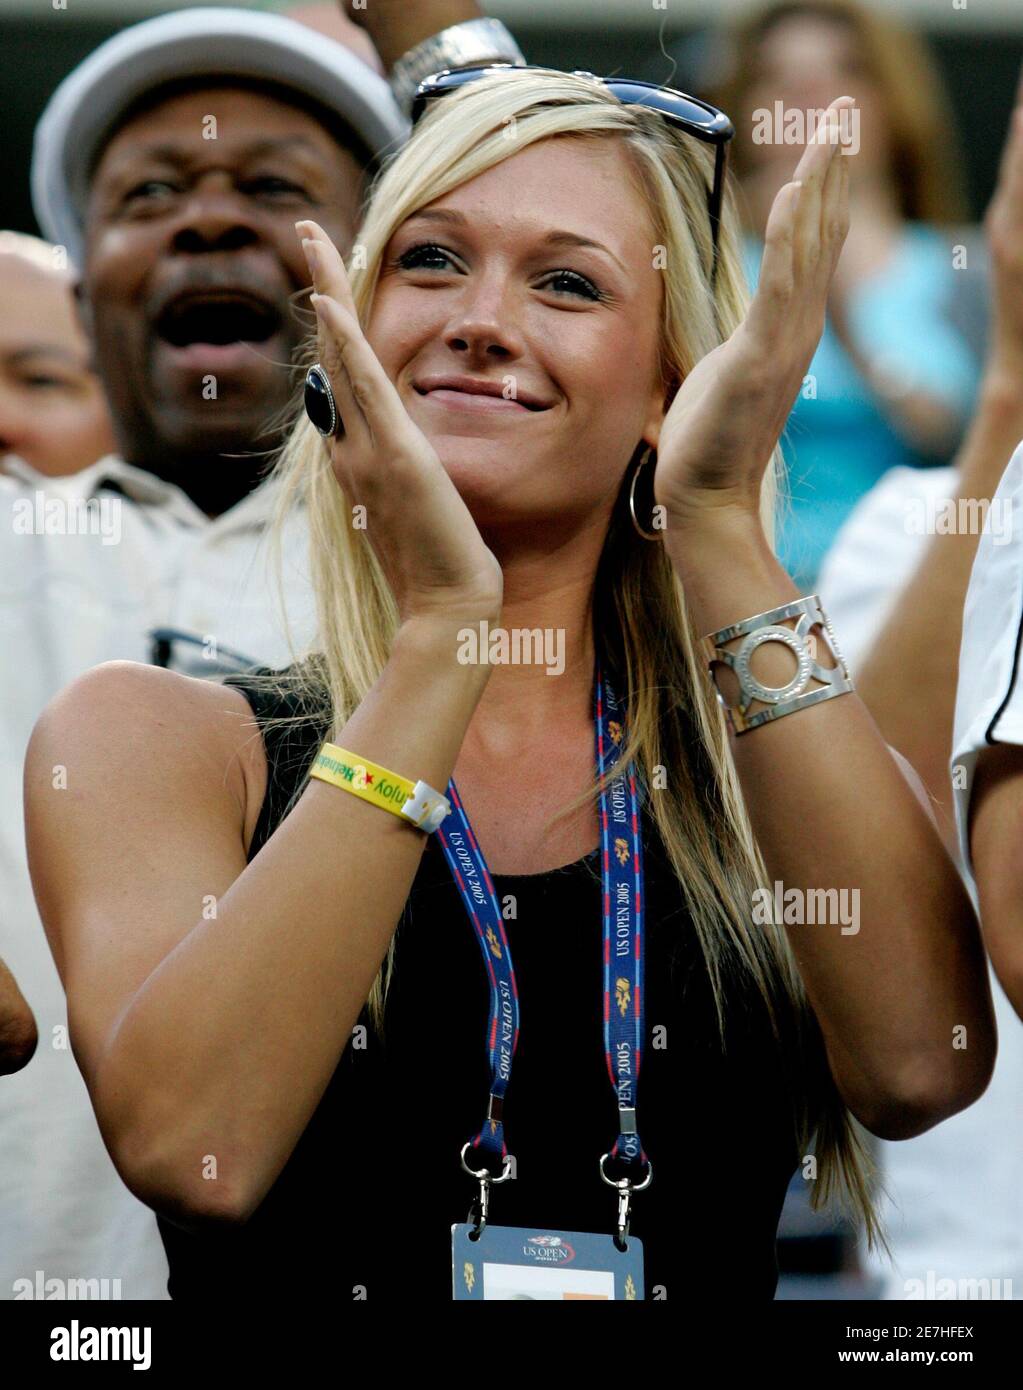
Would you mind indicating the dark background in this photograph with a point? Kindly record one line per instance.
(981, 71)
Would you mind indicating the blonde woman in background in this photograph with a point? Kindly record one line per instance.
(274, 993)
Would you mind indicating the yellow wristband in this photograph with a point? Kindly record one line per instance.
(417, 802)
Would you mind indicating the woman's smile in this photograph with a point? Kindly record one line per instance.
(480, 395)
(452, 398)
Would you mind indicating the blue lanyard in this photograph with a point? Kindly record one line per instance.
(622, 914)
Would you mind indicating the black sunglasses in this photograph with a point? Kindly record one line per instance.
(697, 118)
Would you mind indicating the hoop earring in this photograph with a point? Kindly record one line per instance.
(647, 535)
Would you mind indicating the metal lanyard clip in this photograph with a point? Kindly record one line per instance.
(626, 1187)
(482, 1203)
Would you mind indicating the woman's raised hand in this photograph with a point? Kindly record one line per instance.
(420, 529)
(718, 436)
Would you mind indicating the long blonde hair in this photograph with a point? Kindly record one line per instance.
(645, 638)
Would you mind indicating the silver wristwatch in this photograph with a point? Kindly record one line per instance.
(475, 41)
(796, 694)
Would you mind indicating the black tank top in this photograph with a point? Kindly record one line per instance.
(365, 1204)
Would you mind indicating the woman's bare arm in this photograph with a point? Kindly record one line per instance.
(210, 1000)
(211, 1038)
(903, 1001)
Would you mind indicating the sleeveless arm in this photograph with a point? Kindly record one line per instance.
(210, 1000)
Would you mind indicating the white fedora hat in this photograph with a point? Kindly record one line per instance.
(213, 42)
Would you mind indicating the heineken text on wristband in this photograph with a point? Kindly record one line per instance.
(417, 802)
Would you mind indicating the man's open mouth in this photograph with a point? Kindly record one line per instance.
(218, 317)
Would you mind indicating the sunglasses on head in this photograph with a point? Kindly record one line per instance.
(697, 118)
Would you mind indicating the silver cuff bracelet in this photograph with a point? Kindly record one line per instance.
(778, 699)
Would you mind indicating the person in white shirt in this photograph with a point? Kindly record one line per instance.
(895, 583)
(987, 746)
(171, 165)
(53, 415)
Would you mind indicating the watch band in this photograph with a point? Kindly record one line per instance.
(795, 695)
(460, 46)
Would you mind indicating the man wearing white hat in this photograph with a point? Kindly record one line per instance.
(172, 166)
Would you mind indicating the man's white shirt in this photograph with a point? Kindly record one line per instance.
(953, 1201)
(90, 565)
(989, 701)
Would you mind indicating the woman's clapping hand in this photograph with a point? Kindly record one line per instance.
(422, 532)
(725, 421)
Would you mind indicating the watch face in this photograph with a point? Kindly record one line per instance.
(484, 41)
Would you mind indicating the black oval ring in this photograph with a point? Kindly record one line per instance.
(319, 403)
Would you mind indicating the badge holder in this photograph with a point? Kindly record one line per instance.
(518, 1262)
(522, 1264)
